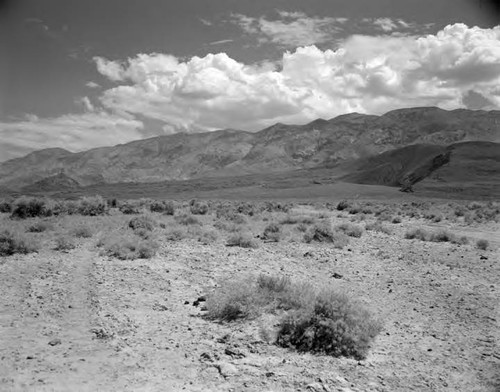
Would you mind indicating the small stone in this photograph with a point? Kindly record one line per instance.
(55, 342)
(315, 386)
(337, 276)
(227, 369)
(30, 357)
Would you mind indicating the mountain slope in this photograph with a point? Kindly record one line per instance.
(278, 148)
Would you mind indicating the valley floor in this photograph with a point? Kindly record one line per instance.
(81, 321)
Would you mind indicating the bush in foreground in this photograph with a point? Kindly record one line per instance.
(92, 206)
(320, 322)
(30, 207)
(334, 325)
(12, 243)
(350, 229)
(243, 240)
(64, 243)
(39, 227)
(324, 233)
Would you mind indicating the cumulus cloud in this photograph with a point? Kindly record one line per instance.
(74, 132)
(368, 74)
(291, 29)
(92, 84)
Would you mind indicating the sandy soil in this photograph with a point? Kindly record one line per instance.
(78, 321)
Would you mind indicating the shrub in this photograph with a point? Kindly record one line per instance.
(378, 227)
(442, 236)
(30, 207)
(294, 219)
(419, 234)
(186, 220)
(164, 207)
(112, 203)
(129, 247)
(129, 209)
(272, 232)
(334, 325)
(343, 205)
(5, 206)
(82, 231)
(12, 243)
(199, 208)
(142, 222)
(350, 230)
(92, 206)
(324, 321)
(39, 227)
(482, 244)
(243, 240)
(64, 243)
(324, 233)
(354, 209)
(396, 220)
(208, 236)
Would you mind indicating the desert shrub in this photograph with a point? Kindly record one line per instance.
(343, 205)
(315, 321)
(64, 243)
(186, 219)
(68, 207)
(142, 222)
(167, 208)
(112, 203)
(12, 243)
(334, 325)
(437, 218)
(463, 240)
(208, 236)
(272, 232)
(5, 206)
(442, 236)
(482, 244)
(383, 216)
(324, 233)
(396, 220)
(245, 209)
(418, 233)
(354, 209)
(198, 208)
(460, 211)
(176, 234)
(350, 229)
(30, 207)
(378, 227)
(128, 247)
(92, 206)
(291, 219)
(243, 240)
(40, 227)
(129, 209)
(82, 231)
(302, 227)
(270, 206)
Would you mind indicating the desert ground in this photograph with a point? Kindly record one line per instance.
(101, 303)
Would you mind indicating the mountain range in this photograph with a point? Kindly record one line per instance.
(390, 149)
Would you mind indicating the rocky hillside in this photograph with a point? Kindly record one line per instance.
(277, 148)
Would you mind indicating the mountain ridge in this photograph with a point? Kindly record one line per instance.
(277, 148)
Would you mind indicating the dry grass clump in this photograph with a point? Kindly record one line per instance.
(292, 219)
(142, 222)
(324, 233)
(378, 227)
(198, 208)
(350, 229)
(164, 207)
(482, 244)
(64, 243)
(417, 233)
(82, 231)
(13, 242)
(40, 227)
(186, 219)
(272, 233)
(314, 321)
(128, 247)
(92, 206)
(243, 240)
(343, 205)
(129, 209)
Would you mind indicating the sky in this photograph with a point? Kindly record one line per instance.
(83, 74)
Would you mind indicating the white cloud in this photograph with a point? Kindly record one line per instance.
(386, 24)
(92, 84)
(369, 74)
(293, 29)
(222, 41)
(74, 132)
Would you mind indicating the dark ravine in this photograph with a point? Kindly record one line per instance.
(365, 149)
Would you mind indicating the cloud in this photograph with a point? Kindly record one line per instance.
(291, 30)
(223, 41)
(74, 132)
(368, 74)
(205, 22)
(92, 84)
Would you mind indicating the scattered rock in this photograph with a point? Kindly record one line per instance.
(55, 342)
(234, 352)
(337, 276)
(483, 257)
(226, 369)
